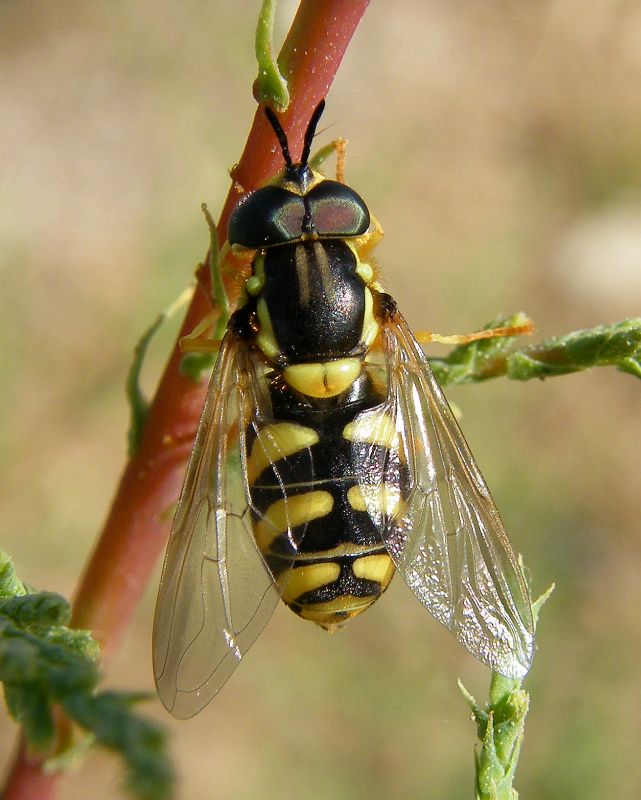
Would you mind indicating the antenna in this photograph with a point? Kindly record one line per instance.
(311, 130)
(280, 135)
(309, 133)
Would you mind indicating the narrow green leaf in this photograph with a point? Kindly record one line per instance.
(194, 365)
(540, 601)
(219, 295)
(270, 87)
(138, 403)
(490, 772)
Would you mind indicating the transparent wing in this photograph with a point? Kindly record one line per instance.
(445, 535)
(216, 593)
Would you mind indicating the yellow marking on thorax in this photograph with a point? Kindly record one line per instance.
(364, 270)
(290, 512)
(265, 339)
(275, 441)
(258, 267)
(254, 285)
(323, 379)
(379, 568)
(370, 325)
(296, 582)
(374, 428)
(382, 499)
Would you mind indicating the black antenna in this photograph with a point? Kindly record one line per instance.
(311, 130)
(309, 133)
(280, 135)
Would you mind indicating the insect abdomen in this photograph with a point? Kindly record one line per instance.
(316, 534)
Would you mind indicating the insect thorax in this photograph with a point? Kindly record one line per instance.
(315, 299)
(314, 314)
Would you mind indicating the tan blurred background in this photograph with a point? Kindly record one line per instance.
(499, 143)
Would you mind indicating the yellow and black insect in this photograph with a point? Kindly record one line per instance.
(327, 458)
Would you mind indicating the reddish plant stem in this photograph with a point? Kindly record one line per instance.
(27, 780)
(138, 522)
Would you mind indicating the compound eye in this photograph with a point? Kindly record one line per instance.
(337, 210)
(268, 216)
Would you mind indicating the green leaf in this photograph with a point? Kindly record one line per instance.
(192, 364)
(195, 365)
(109, 716)
(44, 663)
(617, 345)
(138, 403)
(10, 584)
(44, 608)
(219, 295)
(480, 360)
(41, 663)
(270, 87)
(76, 749)
(28, 705)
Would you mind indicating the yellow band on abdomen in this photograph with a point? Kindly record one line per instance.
(379, 568)
(296, 582)
(286, 514)
(275, 441)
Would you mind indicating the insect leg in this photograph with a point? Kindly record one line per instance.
(425, 337)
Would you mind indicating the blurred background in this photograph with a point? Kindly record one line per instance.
(499, 143)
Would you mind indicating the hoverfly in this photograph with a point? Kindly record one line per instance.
(326, 459)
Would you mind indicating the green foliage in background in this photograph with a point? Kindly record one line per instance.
(44, 664)
(617, 345)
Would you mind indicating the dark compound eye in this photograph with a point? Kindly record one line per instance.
(336, 210)
(268, 216)
(273, 215)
